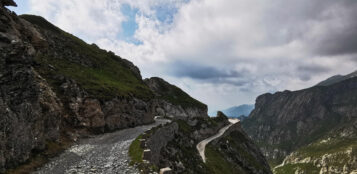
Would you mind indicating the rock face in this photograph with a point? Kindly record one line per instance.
(159, 140)
(173, 102)
(30, 111)
(285, 121)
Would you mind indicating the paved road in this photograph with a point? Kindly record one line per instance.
(107, 154)
(202, 145)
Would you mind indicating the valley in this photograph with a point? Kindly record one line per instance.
(71, 106)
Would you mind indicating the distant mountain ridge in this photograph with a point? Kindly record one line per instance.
(237, 111)
(337, 78)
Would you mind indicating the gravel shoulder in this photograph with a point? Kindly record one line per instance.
(106, 153)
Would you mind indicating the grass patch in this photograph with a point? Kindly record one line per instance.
(217, 164)
(332, 146)
(136, 152)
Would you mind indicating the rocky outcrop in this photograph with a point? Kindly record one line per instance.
(159, 139)
(285, 121)
(100, 116)
(173, 102)
(164, 108)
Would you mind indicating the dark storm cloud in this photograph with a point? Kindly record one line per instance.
(306, 72)
(340, 36)
(312, 69)
(197, 71)
(324, 27)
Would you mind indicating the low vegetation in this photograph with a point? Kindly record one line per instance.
(175, 95)
(217, 164)
(292, 168)
(333, 146)
(136, 152)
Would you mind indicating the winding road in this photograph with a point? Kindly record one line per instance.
(107, 154)
(202, 145)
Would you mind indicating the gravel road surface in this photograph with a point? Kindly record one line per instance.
(106, 153)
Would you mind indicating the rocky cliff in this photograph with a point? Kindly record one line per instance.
(173, 102)
(285, 121)
(30, 111)
(52, 84)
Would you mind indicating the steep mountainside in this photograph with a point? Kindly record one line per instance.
(54, 86)
(286, 121)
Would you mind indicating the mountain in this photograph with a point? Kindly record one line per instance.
(54, 86)
(237, 111)
(337, 78)
(56, 89)
(315, 126)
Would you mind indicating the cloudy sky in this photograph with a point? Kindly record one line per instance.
(222, 52)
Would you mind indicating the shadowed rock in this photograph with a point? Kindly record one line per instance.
(8, 3)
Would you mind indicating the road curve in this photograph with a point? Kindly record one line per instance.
(202, 145)
(106, 153)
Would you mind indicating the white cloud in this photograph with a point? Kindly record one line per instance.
(89, 19)
(272, 45)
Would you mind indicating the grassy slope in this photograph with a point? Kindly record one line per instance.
(107, 77)
(216, 160)
(175, 95)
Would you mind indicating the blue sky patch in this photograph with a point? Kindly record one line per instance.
(129, 26)
(23, 7)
